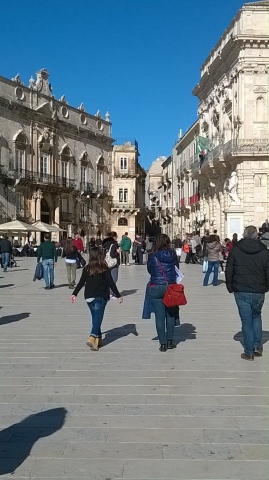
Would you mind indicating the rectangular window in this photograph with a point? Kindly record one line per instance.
(65, 169)
(65, 205)
(19, 160)
(123, 195)
(19, 202)
(99, 214)
(83, 174)
(43, 166)
(99, 178)
(123, 163)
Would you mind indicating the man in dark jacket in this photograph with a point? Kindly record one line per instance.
(6, 251)
(247, 276)
(48, 253)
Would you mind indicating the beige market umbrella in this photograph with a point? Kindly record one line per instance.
(45, 227)
(18, 227)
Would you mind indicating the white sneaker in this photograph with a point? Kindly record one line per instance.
(221, 273)
(128, 263)
(112, 297)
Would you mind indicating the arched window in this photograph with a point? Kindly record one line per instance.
(100, 173)
(20, 142)
(260, 109)
(65, 155)
(122, 222)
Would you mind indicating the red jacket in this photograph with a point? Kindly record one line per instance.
(77, 242)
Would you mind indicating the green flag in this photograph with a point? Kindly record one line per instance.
(201, 145)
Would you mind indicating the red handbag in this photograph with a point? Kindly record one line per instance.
(174, 295)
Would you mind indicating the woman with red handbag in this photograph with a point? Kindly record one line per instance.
(161, 267)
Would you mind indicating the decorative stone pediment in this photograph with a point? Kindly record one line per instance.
(260, 89)
(45, 108)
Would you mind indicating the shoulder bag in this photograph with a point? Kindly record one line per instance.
(111, 262)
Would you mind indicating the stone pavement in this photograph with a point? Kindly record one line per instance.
(128, 412)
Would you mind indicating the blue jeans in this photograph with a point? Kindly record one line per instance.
(164, 316)
(5, 260)
(48, 268)
(115, 275)
(97, 308)
(250, 309)
(212, 266)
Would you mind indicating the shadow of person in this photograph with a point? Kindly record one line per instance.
(20, 270)
(124, 293)
(119, 332)
(186, 331)
(238, 337)
(13, 318)
(17, 440)
(7, 285)
(61, 285)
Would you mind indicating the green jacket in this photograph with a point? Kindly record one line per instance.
(47, 251)
(125, 244)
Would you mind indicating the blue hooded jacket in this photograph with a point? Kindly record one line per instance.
(168, 260)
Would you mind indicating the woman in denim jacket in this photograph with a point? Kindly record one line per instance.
(161, 267)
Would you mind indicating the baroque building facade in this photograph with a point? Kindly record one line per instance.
(219, 174)
(233, 171)
(55, 160)
(128, 210)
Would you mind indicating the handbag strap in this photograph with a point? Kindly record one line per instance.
(162, 272)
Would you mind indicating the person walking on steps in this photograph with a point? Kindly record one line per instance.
(97, 279)
(48, 253)
(6, 252)
(125, 246)
(212, 253)
(247, 277)
(71, 255)
(110, 244)
(161, 267)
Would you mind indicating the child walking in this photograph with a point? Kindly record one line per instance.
(96, 277)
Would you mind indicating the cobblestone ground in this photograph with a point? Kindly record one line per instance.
(128, 411)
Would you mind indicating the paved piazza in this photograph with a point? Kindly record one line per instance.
(128, 411)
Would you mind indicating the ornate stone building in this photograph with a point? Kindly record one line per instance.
(128, 190)
(154, 183)
(55, 160)
(233, 173)
(187, 194)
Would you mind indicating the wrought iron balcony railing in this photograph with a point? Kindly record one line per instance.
(102, 191)
(256, 146)
(124, 206)
(86, 187)
(41, 178)
(129, 172)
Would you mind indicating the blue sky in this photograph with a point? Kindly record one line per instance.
(138, 59)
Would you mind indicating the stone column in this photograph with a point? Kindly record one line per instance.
(210, 215)
(39, 197)
(32, 207)
(222, 216)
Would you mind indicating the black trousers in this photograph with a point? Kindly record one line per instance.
(139, 256)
